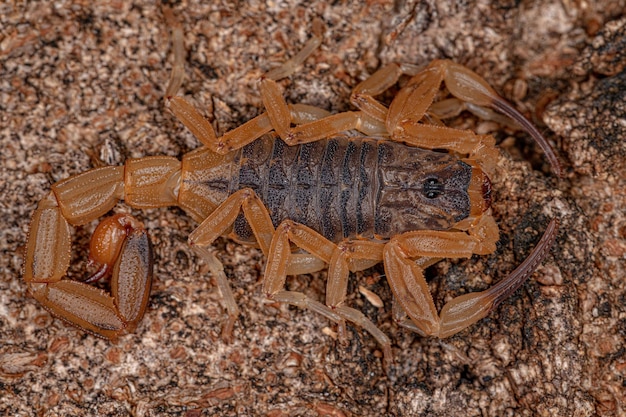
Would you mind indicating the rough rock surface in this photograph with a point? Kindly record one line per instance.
(81, 84)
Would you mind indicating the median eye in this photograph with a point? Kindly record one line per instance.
(432, 188)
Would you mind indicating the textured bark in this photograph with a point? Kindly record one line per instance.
(81, 84)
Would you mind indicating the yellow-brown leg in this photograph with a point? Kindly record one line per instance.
(342, 258)
(404, 121)
(363, 94)
(370, 120)
(216, 225)
(279, 115)
(277, 264)
(220, 220)
(372, 117)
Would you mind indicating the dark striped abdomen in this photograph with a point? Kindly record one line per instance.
(353, 187)
(324, 184)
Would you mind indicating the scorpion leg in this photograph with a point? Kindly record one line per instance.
(398, 312)
(312, 123)
(280, 114)
(220, 220)
(253, 129)
(408, 110)
(370, 120)
(187, 114)
(241, 135)
(342, 258)
(409, 107)
(404, 120)
(362, 96)
(215, 225)
(401, 119)
(283, 115)
(224, 216)
(314, 128)
(277, 263)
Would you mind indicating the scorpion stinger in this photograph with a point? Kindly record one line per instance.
(120, 244)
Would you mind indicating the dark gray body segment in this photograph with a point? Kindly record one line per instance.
(353, 187)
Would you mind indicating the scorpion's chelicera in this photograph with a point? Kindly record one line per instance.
(406, 191)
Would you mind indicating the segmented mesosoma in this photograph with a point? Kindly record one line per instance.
(399, 188)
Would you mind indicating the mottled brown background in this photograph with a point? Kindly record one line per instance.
(81, 83)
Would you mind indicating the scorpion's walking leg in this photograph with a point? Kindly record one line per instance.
(343, 258)
(259, 220)
(187, 114)
(410, 290)
(371, 120)
(404, 120)
(220, 220)
(254, 128)
(311, 123)
(282, 115)
(216, 225)
(374, 118)
(407, 119)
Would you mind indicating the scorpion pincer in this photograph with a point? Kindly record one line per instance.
(312, 190)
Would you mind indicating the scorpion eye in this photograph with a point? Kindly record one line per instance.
(432, 188)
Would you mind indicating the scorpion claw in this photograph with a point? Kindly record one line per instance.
(504, 107)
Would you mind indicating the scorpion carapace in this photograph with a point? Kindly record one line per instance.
(347, 188)
(311, 190)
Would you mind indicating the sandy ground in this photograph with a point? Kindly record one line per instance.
(81, 85)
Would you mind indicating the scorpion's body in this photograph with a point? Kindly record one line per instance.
(343, 187)
(312, 196)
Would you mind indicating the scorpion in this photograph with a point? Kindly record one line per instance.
(312, 190)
